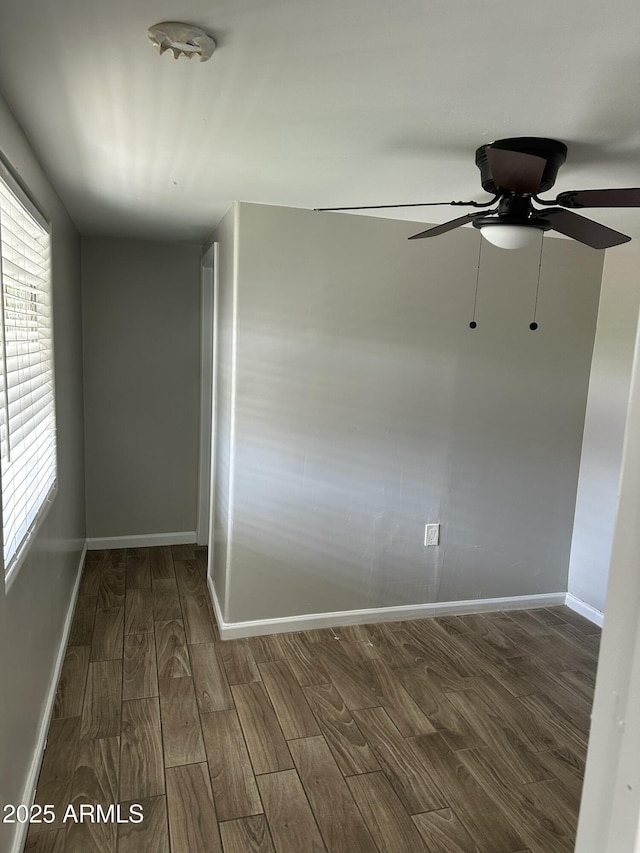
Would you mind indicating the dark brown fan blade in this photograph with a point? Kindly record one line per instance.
(409, 204)
(600, 198)
(514, 170)
(447, 226)
(584, 230)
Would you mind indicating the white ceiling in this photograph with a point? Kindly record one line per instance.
(312, 103)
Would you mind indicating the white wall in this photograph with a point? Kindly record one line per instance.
(604, 425)
(364, 407)
(33, 610)
(224, 359)
(141, 318)
(610, 810)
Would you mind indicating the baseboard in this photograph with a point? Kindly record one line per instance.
(217, 609)
(29, 794)
(584, 609)
(236, 630)
(146, 540)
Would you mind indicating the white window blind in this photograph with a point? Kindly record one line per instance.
(27, 408)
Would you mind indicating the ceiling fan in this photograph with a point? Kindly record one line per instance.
(515, 171)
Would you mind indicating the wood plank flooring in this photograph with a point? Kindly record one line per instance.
(451, 735)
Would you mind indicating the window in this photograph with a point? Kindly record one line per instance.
(27, 409)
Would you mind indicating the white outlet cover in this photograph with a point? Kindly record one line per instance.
(431, 535)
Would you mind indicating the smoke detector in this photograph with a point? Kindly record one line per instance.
(182, 39)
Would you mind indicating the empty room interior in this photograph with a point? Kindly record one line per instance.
(320, 427)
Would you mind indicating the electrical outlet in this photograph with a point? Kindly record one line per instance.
(431, 535)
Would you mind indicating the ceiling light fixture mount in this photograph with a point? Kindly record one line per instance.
(182, 40)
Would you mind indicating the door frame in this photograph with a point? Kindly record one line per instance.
(208, 354)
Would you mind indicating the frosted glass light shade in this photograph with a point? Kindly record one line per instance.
(509, 236)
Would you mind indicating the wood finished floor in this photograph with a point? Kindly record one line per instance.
(446, 735)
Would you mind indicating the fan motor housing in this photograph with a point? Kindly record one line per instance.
(554, 152)
(514, 210)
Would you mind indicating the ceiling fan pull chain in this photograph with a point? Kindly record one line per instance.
(473, 324)
(533, 326)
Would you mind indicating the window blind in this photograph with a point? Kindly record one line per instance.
(27, 407)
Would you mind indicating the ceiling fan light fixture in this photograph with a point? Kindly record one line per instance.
(515, 171)
(508, 236)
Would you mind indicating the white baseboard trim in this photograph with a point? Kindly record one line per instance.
(584, 609)
(216, 608)
(146, 540)
(236, 630)
(29, 794)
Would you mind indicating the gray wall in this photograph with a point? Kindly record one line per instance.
(365, 407)
(141, 312)
(604, 425)
(33, 610)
